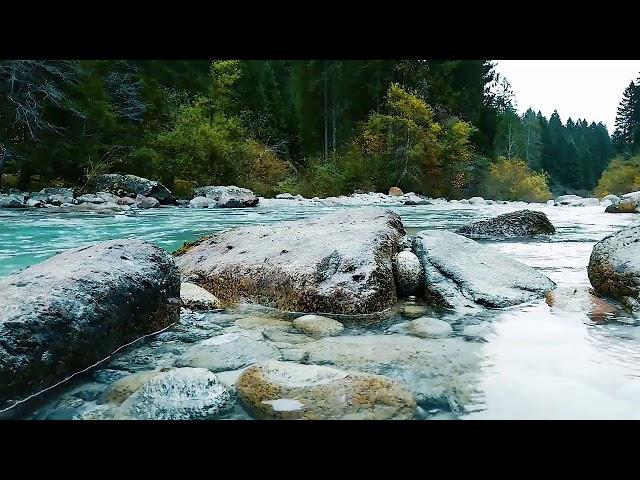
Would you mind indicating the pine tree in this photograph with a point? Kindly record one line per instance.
(627, 125)
(532, 140)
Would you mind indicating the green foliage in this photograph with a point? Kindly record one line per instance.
(407, 148)
(621, 176)
(511, 179)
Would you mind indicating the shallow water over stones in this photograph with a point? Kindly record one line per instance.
(569, 356)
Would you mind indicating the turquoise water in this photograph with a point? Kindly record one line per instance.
(578, 358)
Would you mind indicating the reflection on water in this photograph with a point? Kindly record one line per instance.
(571, 356)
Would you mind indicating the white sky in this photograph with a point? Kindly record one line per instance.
(589, 89)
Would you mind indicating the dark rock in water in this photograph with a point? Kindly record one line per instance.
(70, 311)
(614, 267)
(523, 223)
(337, 263)
(227, 197)
(459, 271)
(130, 185)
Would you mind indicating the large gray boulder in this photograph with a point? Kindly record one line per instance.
(68, 312)
(337, 263)
(228, 197)
(131, 186)
(459, 271)
(614, 267)
(523, 223)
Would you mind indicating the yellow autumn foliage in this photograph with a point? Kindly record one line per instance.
(511, 179)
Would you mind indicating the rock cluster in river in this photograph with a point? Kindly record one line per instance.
(223, 197)
(132, 186)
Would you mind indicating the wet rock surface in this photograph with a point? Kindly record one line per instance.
(197, 298)
(523, 223)
(229, 351)
(409, 274)
(292, 391)
(178, 394)
(462, 272)
(337, 263)
(614, 267)
(318, 326)
(73, 309)
(436, 371)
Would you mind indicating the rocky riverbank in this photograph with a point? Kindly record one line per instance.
(127, 193)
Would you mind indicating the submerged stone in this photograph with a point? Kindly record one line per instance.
(292, 391)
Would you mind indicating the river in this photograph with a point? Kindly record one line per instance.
(577, 358)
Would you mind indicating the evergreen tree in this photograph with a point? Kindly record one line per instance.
(627, 125)
(532, 146)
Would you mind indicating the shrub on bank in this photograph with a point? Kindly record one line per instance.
(621, 176)
(511, 179)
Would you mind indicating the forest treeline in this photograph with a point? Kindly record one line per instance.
(317, 127)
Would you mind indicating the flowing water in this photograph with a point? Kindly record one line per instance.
(572, 356)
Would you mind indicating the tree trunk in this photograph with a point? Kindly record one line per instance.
(326, 119)
(24, 180)
(333, 109)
